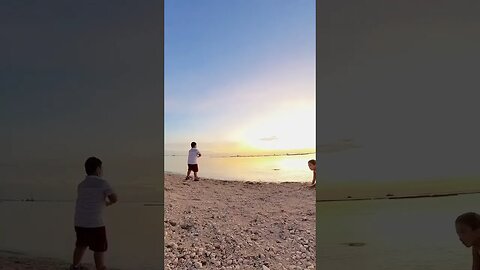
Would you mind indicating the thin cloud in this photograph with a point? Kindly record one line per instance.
(273, 138)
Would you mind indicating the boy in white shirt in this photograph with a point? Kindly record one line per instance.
(93, 194)
(193, 155)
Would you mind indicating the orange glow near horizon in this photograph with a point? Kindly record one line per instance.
(285, 131)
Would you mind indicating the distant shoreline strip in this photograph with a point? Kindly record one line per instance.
(243, 156)
(401, 197)
(146, 203)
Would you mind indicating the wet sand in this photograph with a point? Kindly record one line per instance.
(17, 261)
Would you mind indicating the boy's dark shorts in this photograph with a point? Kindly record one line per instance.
(193, 167)
(93, 238)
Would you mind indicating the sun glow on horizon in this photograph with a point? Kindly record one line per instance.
(254, 99)
(288, 127)
(287, 130)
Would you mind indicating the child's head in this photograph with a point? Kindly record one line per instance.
(312, 164)
(93, 166)
(193, 144)
(467, 226)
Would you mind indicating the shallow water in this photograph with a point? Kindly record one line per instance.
(266, 169)
(44, 229)
(409, 234)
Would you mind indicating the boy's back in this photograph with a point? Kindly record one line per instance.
(193, 156)
(91, 194)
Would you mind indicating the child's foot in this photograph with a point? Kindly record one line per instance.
(196, 179)
(188, 178)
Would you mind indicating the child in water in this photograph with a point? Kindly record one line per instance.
(312, 164)
(468, 230)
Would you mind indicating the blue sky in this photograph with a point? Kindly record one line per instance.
(232, 66)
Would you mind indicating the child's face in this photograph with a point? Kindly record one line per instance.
(311, 166)
(466, 235)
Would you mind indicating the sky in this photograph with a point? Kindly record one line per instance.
(79, 79)
(401, 80)
(240, 75)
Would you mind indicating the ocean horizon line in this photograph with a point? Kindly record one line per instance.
(33, 200)
(400, 197)
(245, 155)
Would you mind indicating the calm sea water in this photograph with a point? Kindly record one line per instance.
(409, 234)
(267, 169)
(46, 230)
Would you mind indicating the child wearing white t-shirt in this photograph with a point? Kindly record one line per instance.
(193, 155)
(93, 194)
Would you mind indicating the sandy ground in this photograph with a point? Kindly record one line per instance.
(12, 261)
(214, 224)
(18, 261)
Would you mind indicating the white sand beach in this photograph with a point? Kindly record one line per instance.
(215, 224)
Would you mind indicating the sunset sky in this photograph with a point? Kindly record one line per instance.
(401, 80)
(240, 76)
(80, 79)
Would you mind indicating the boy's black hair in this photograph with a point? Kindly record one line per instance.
(312, 161)
(92, 164)
(193, 144)
(471, 219)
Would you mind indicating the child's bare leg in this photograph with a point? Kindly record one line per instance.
(195, 174)
(188, 174)
(78, 254)
(99, 261)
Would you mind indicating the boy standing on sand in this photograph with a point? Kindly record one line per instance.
(468, 230)
(312, 164)
(93, 194)
(193, 155)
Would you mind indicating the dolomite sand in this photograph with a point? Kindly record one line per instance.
(214, 224)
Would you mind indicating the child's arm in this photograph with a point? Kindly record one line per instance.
(112, 198)
(314, 180)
